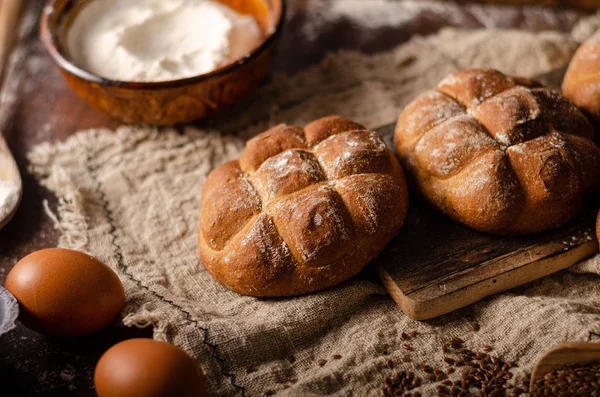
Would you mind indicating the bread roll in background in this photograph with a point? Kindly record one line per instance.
(598, 227)
(303, 209)
(499, 154)
(582, 80)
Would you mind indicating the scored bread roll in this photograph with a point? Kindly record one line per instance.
(582, 79)
(499, 154)
(302, 209)
(598, 227)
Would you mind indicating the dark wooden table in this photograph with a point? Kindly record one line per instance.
(38, 106)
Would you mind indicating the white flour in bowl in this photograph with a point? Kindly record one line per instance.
(159, 40)
(10, 193)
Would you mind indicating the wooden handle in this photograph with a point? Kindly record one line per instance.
(9, 24)
(563, 354)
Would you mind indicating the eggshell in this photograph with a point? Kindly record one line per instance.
(148, 368)
(9, 311)
(65, 293)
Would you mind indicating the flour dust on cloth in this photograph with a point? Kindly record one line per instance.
(131, 198)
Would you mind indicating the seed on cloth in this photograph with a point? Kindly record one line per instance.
(449, 361)
(321, 362)
(484, 372)
(400, 383)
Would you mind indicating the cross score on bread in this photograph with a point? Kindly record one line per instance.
(302, 209)
(500, 154)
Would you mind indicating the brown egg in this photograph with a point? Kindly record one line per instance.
(65, 293)
(148, 368)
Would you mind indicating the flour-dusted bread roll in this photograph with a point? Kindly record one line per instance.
(598, 227)
(499, 154)
(302, 209)
(582, 80)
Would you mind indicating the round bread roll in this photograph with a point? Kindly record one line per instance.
(499, 154)
(582, 80)
(303, 209)
(598, 227)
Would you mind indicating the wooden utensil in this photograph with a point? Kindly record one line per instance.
(9, 17)
(437, 265)
(9, 172)
(562, 354)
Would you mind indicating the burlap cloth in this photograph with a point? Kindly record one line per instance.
(131, 198)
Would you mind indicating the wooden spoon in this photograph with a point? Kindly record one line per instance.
(9, 18)
(9, 172)
(563, 354)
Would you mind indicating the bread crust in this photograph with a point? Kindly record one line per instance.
(302, 210)
(598, 227)
(582, 80)
(499, 154)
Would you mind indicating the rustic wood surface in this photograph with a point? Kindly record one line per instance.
(563, 354)
(37, 106)
(442, 266)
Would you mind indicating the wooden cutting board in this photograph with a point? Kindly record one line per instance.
(435, 265)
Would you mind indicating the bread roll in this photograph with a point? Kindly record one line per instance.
(598, 227)
(499, 154)
(582, 80)
(302, 209)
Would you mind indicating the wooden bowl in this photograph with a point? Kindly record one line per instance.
(168, 102)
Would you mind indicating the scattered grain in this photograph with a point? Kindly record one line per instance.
(449, 361)
(399, 383)
(570, 380)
